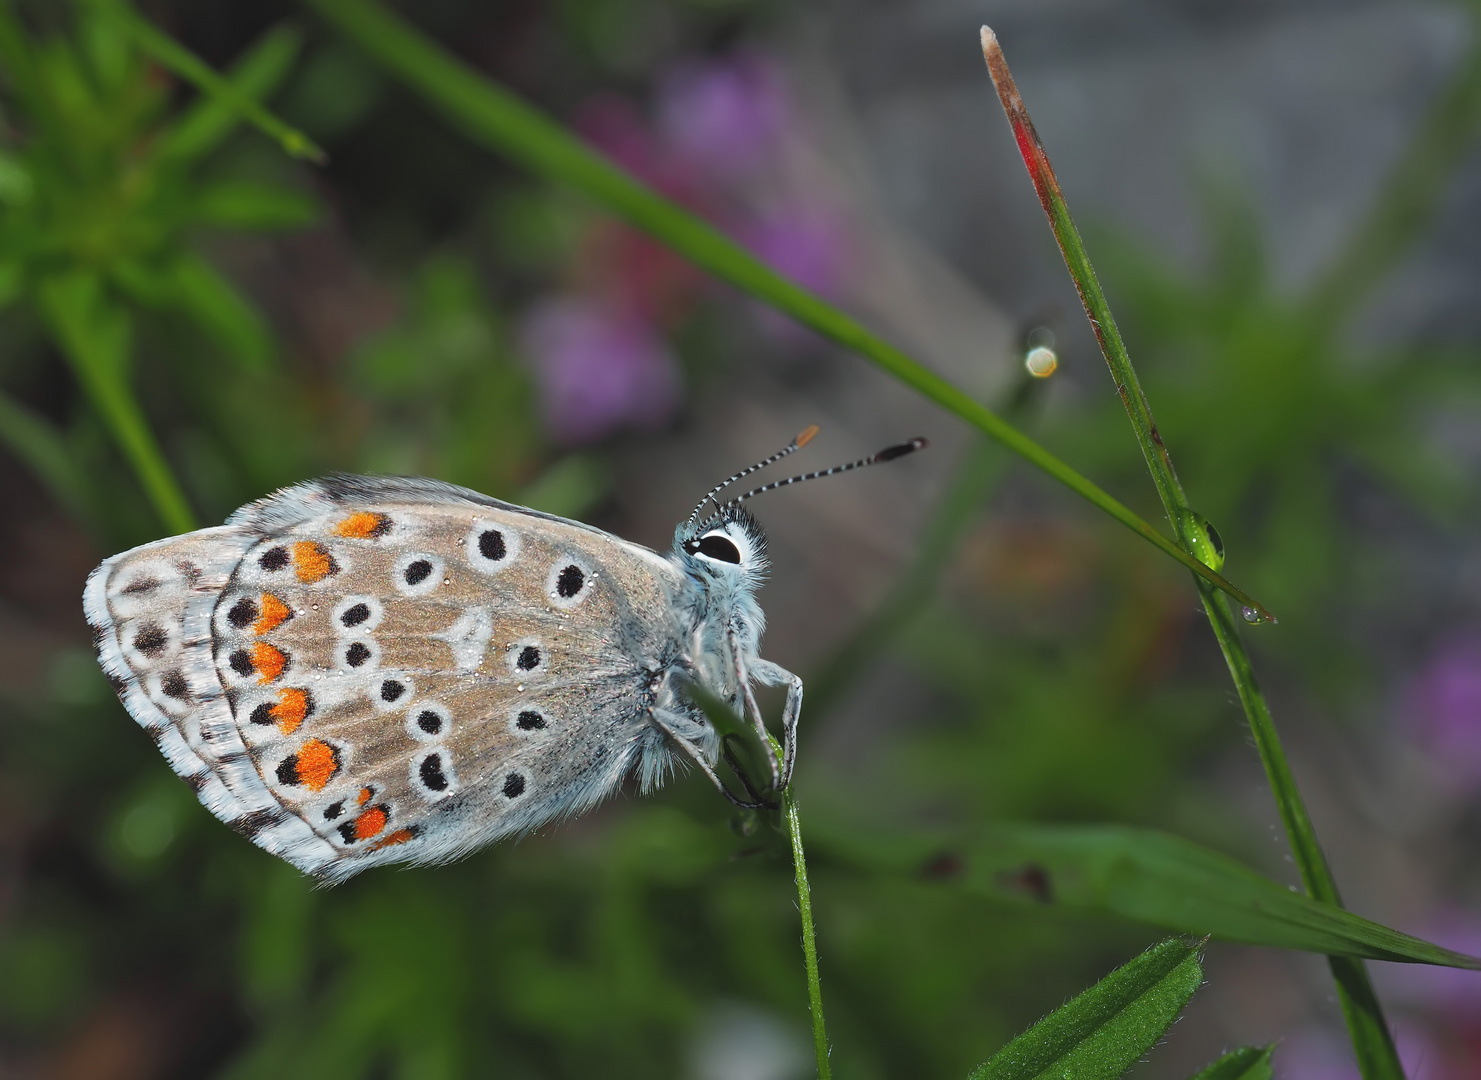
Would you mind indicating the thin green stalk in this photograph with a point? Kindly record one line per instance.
(1367, 1026)
(36, 442)
(192, 68)
(121, 412)
(1412, 194)
(94, 337)
(971, 483)
(498, 119)
(1372, 1040)
(809, 938)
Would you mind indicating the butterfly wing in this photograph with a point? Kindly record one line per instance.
(383, 670)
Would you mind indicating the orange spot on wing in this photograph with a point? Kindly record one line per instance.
(312, 562)
(370, 822)
(269, 662)
(317, 764)
(400, 836)
(291, 709)
(273, 614)
(364, 526)
(364, 796)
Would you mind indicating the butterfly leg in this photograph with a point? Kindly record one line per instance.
(748, 696)
(693, 751)
(740, 774)
(770, 674)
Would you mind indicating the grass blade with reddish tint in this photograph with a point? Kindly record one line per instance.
(1366, 1024)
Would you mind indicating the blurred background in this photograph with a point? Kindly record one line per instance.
(1282, 201)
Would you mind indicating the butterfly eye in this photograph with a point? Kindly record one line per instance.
(719, 547)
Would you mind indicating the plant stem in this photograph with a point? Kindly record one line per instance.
(1367, 1027)
(809, 938)
(1412, 193)
(498, 119)
(974, 479)
(94, 335)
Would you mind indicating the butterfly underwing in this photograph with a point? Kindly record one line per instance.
(360, 670)
(363, 670)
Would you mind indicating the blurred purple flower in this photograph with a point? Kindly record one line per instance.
(807, 245)
(598, 369)
(726, 116)
(803, 242)
(1445, 706)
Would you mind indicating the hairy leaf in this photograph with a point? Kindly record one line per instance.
(1099, 1034)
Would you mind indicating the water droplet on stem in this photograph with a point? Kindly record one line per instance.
(1207, 544)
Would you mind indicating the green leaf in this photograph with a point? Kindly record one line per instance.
(94, 332)
(493, 117)
(1099, 1034)
(244, 204)
(16, 57)
(210, 119)
(1246, 1063)
(40, 446)
(570, 487)
(1155, 878)
(187, 65)
(222, 312)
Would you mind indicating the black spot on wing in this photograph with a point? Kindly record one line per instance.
(250, 825)
(151, 639)
(569, 583)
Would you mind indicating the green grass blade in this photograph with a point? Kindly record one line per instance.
(1246, 1063)
(1144, 875)
(493, 117)
(973, 481)
(93, 333)
(222, 312)
(1173, 883)
(1372, 1041)
(1411, 195)
(175, 57)
(1102, 1032)
(211, 118)
(17, 59)
(33, 440)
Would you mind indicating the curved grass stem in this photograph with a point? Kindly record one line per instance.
(499, 120)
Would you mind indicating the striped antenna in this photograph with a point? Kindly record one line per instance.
(796, 444)
(889, 453)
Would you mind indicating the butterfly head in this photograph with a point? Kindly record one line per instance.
(726, 549)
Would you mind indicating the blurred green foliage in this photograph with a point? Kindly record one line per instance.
(1058, 690)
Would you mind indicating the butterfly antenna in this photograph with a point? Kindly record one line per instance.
(889, 453)
(796, 444)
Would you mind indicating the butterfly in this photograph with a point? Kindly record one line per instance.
(363, 670)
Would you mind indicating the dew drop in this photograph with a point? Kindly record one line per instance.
(1208, 545)
(1041, 361)
(1250, 614)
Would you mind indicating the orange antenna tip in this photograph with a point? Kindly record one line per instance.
(806, 436)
